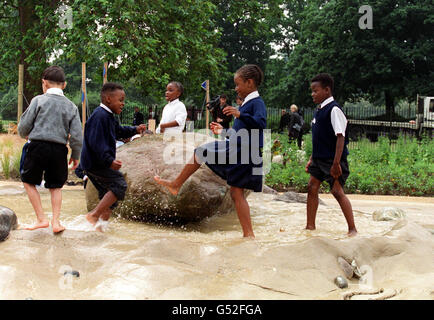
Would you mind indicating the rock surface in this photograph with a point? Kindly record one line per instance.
(294, 197)
(268, 190)
(202, 195)
(388, 214)
(8, 222)
(346, 267)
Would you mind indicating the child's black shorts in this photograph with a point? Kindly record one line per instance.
(106, 180)
(320, 169)
(48, 159)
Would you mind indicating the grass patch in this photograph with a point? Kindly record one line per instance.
(404, 167)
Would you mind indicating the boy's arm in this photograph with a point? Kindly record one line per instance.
(171, 124)
(76, 137)
(25, 126)
(180, 116)
(336, 170)
(124, 132)
(308, 164)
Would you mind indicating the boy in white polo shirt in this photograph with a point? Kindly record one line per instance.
(329, 151)
(174, 113)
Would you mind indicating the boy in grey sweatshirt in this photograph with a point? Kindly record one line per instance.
(49, 122)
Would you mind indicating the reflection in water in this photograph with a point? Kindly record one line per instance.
(206, 260)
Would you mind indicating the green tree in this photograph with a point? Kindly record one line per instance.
(393, 60)
(151, 42)
(248, 29)
(24, 24)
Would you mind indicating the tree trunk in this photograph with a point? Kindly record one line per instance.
(390, 105)
(29, 20)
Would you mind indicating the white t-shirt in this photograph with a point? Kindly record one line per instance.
(174, 111)
(339, 121)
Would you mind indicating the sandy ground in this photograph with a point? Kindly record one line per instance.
(210, 261)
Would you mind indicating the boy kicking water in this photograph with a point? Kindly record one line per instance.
(48, 121)
(98, 159)
(329, 151)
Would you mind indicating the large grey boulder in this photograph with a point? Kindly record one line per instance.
(8, 222)
(204, 193)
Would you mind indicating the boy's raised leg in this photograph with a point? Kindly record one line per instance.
(345, 204)
(56, 204)
(312, 202)
(185, 173)
(243, 211)
(35, 200)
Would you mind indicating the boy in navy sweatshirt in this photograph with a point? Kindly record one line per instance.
(329, 151)
(98, 157)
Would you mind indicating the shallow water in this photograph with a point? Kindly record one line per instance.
(206, 260)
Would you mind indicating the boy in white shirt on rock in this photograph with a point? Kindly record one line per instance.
(174, 113)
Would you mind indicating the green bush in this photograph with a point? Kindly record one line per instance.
(404, 167)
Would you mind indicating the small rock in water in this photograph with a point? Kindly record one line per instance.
(268, 190)
(8, 222)
(388, 214)
(341, 282)
(357, 273)
(346, 267)
(73, 273)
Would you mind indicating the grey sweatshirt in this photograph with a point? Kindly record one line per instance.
(52, 117)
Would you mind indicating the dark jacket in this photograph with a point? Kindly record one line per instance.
(101, 131)
(284, 122)
(138, 119)
(218, 113)
(295, 125)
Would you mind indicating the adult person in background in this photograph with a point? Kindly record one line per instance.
(138, 117)
(151, 114)
(295, 125)
(284, 121)
(174, 113)
(218, 115)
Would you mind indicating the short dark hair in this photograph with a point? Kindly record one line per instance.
(54, 74)
(251, 71)
(224, 96)
(325, 79)
(110, 87)
(179, 86)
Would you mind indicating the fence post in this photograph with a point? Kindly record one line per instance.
(83, 93)
(20, 91)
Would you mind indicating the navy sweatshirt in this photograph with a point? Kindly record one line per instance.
(100, 134)
(323, 135)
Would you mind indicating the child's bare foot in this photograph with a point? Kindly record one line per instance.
(249, 236)
(101, 225)
(352, 233)
(91, 219)
(39, 225)
(57, 227)
(310, 227)
(168, 184)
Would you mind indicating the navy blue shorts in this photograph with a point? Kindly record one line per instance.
(47, 159)
(320, 169)
(106, 180)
